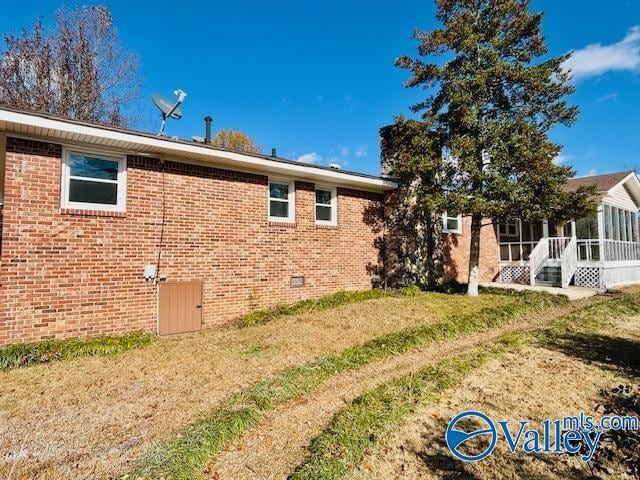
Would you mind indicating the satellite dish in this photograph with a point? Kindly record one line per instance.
(168, 109)
(165, 106)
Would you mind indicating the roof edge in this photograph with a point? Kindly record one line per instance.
(152, 142)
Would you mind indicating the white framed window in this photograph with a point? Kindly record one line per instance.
(281, 205)
(326, 206)
(451, 224)
(93, 181)
(509, 228)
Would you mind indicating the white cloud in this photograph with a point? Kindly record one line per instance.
(362, 151)
(311, 157)
(608, 97)
(590, 173)
(339, 155)
(597, 59)
(562, 158)
(350, 103)
(344, 151)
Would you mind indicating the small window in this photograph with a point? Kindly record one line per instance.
(281, 201)
(509, 228)
(452, 224)
(326, 213)
(93, 182)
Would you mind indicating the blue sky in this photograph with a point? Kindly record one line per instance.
(316, 79)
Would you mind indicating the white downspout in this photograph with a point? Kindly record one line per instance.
(3, 160)
(601, 240)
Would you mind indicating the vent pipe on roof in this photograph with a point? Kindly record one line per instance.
(273, 153)
(207, 134)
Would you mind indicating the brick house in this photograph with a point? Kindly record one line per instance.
(106, 230)
(88, 211)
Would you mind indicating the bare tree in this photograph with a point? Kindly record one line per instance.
(78, 71)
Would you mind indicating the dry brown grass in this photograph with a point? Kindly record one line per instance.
(534, 384)
(90, 417)
(280, 442)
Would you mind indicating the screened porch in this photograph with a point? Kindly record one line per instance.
(619, 242)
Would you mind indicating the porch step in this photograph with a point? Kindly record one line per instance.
(549, 276)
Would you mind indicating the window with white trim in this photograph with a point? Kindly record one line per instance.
(281, 201)
(451, 224)
(509, 228)
(326, 206)
(93, 181)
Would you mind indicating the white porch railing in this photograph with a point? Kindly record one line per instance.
(619, 251)
(550, 248)
(557, 246)
(567, 253)
(589, 250)
(537, 259)
(568, 262)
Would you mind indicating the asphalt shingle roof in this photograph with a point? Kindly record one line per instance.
(603, 182)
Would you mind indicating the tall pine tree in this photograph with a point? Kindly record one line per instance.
(493, 99)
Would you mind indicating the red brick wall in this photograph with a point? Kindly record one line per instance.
(457, 252)
(68, 274)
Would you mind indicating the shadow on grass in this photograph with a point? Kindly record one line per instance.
(618, 354)
(443, 464)
(614, 353)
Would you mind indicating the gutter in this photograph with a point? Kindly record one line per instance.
(138, 142)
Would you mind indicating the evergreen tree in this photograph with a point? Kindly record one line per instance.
(415, 251)
(485, 125)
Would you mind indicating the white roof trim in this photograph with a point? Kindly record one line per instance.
(13, 121)
(634, 187)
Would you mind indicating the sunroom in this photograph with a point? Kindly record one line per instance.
(599, 251)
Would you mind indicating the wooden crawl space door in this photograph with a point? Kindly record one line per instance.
(180, 307)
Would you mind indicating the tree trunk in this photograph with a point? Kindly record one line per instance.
(435, 253)
(474, 255)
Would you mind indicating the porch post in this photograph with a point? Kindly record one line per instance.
(573, 229)
(545, 229)
(601, 232)
(520, 230)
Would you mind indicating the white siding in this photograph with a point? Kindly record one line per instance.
(623, 275)
(621, 198)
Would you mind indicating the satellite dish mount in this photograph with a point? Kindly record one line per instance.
(168, 109)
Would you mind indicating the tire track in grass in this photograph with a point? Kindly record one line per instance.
(354, 430)
(185, 455)
(351, 432)
(280, 441)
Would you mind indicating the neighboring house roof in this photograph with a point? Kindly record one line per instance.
(604, 183)
(64, 130)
